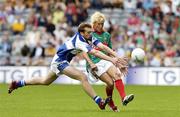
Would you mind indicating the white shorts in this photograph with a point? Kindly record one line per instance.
(102, 66)
(58, 66)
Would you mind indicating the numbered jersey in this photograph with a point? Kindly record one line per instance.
(74, 46)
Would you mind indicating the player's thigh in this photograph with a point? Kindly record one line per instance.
(51, 77)
(103, 66)
(114, 73)
(107, 79)
(74, 73)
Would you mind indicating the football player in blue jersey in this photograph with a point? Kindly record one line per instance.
(82, 41)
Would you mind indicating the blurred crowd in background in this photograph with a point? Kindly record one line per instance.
(32, 30)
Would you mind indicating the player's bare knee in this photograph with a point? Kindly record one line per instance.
(110, 84)
(83, 78)
(118, 76)
(45, 82)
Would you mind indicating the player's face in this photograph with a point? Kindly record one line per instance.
(87, 33)
(98, 26)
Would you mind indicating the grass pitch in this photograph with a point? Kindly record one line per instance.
(71, 101)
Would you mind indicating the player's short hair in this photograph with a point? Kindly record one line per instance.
(82, 26)
(97, 17)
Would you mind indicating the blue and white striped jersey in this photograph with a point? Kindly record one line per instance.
(74, 46)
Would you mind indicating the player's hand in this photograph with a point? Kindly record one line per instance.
(126, 59)
(123, 62)
(119, 62)
(124, 71)
(93, 70)
(115, 61)
(93, 67)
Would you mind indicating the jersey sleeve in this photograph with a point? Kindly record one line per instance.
(95, 41)
(84, 46)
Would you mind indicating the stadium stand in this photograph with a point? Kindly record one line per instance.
(35, 28)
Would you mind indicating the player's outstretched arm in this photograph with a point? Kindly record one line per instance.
(92, 65)
(101, 55)
(107, 49)
(122, 61)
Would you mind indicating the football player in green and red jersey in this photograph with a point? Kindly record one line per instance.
(105, 70)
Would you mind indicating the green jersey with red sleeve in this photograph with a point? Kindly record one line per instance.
(104, 38)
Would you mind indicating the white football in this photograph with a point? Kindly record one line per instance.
(138, 55)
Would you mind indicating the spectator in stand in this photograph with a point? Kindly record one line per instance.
(18, 25)
(155, 60)
(155, 18)
(2, 18)
(42, 19)
(8, 8)
(82, 13)
(71, 13)
(32, 20)
(139, 39)
(7, 61)
(37, 54)
(58, 15)
(50, 50)
(19, 7)
(139, 4)
(178, 48)
(50, 27)
(148, 4)
(130, 5)
(5, 45)
(133, 22)
(96, 4)
(176, 7)
(38, 51)
(170, 53)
